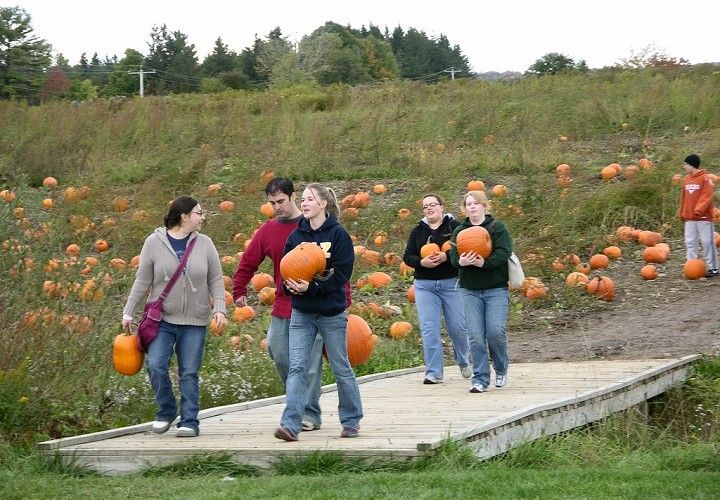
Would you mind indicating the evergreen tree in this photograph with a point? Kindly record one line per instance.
(23, 56)
(174, 60)
(221, 60)
(421, 57)
(120, 82)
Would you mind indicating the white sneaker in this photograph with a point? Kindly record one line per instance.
(478, 388)
(307, 426)
(500, 380)
(186, 432)
(466, 371)
(430, 380)
(160, 426)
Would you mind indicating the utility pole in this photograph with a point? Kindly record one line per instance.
(452, 72)
(141, 73)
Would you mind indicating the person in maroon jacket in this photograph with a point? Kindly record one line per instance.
(269, 241)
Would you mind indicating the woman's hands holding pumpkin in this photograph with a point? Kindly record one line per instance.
(434, 260)
(219, 319)
(471, 259)
(296, 287)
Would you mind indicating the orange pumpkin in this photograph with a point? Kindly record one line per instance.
(535, 292)
(499, 190)
(227, 206)
(267, 210)
(608, 173)
(303, 262)
(602, 286)
(694, 269)
(391, 258)
(613, 252)
(428, 249)
(649, 238)
(267, 295)
(244, 313)
(655, 254)
(50, 182)
(360, 340)
(648, 272)
(120, 204)
(562, 170)
(404, 213)
(379, 189)
(117, 263)
(213, 189)
(599, 261)
(127, 358)
(411, 294)
(217, 330)
(101, 246)
(379, 279)
(474, 239)
(406, 270)
(72, 249)
(260, 281)
(371, 257)
(400, 329)
(476, 185)
(576, 279)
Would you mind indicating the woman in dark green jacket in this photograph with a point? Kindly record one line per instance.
(484, 288)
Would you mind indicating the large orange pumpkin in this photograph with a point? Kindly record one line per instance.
(360, 340)
(127, 358)
(694, 269)
(474, 239)
(303, 262)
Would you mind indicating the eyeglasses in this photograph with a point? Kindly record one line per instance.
(199, 212)
(430, 205)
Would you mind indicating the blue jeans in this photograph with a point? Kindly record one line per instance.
(433, 299)
(188, 342)
(279, 350)
(303, 330)
(486, 313)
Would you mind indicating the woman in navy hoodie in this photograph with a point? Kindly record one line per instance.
(319, 306)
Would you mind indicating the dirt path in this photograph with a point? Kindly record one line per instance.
(668, 317)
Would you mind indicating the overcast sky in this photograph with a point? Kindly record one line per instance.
(495, 36)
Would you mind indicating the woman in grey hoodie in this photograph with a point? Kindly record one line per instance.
(186, 310)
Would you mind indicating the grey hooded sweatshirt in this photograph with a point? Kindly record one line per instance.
(189, 300)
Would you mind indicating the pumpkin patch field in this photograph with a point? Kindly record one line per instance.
(82, 185)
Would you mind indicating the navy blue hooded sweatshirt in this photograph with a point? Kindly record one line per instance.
(325, 296)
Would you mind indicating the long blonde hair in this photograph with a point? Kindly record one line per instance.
(326, 194)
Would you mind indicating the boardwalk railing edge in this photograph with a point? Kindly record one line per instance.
(605, 391)
(54, 444)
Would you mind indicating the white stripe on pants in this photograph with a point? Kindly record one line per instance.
(702, 232)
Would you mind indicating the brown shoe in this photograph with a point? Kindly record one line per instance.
(285, 434)
(349, 432)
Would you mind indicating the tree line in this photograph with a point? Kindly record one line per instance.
(330, 54)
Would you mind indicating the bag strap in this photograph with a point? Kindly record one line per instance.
(490, 226)
(179, 269)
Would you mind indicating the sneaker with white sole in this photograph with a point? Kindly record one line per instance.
(429, 379)
(478, 388)
(466, 371)
(160, 426)
(186, 432)
(307, 426)
(500, 380)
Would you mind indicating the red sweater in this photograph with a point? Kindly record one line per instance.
(696, 197)
(269, 241)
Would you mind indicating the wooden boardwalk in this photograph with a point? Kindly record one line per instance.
(403, 417)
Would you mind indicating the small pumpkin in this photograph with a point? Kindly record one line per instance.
(648, 272)
(243, 314)
(267, 210)
(400, 329)
(428, 249)
(227, 206)
(476, 185)
(577, 279)
(50, 182)
(127, 358)
(411, 294)
(120, 204)
(267, 295)
(613, 252)
(563, 170)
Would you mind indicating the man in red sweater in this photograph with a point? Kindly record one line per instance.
(269, 241)
(696, 211)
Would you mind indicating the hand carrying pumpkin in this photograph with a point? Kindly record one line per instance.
(297, 286)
